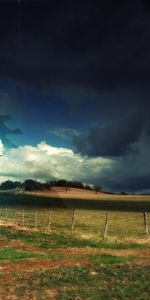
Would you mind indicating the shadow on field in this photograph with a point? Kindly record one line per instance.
(28, 200)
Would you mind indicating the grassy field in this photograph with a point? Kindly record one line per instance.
(87, 222)
(41, 257)
(76, 198)
(58, 263)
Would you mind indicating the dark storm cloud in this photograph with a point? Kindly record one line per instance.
(5, 131)
(127, 184)
(97, 44)
(134, 184)
(114, 139)
(129, 173)
(92, 57)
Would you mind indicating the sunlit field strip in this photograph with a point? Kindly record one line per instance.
(85, 195)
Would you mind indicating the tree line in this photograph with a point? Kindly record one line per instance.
(32, 185)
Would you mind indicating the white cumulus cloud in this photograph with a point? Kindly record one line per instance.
(45, 162)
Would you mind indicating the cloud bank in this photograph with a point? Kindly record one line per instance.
(114, 139)
(77, 43)
(45, 162)
(130, 173)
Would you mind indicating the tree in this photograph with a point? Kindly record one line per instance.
(8, 185)
(97, 188)
(31, 185)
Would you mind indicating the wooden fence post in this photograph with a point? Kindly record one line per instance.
(2, 214)
(50, 219)
(145, 222)
(6, 214)
(14, 216)
(73, 220)
(23, 217)
(106, 225)
(35, 221)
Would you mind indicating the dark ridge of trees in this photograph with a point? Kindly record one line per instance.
(9, 185)
(32, 185)
(28, 185)
(65, 183)
(124, 193)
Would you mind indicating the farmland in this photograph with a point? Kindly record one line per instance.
(48, 259)
(76, 198)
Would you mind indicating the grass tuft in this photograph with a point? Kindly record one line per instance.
(11, 254)
(109, 259)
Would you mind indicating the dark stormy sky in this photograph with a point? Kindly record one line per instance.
(75, 80)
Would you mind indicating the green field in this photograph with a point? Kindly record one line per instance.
(61, 265)
(43, 257)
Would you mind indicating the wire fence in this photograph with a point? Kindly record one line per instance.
(88, 221)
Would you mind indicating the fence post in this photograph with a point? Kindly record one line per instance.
(73, 220)
(23, 217)
(14, 216)
(145, 222)
(35, 219)
(106, 225)
(6, 214)
(2, 214)
(50, 219)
